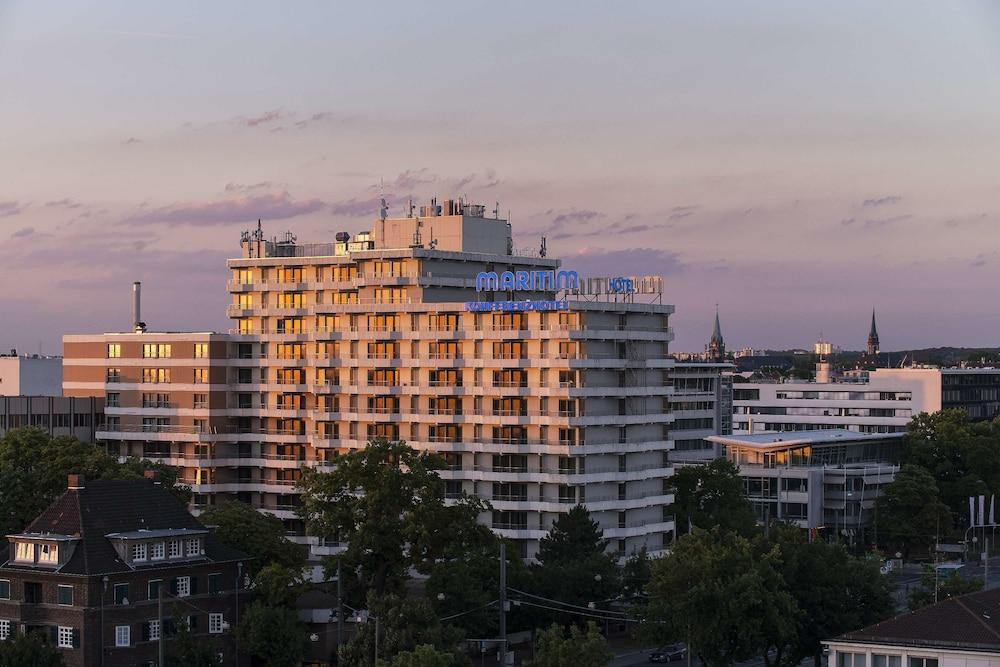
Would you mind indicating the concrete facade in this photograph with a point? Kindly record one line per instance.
(30, 375)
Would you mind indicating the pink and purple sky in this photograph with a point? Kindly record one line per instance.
(797, 164)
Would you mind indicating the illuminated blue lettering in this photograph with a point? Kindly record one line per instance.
(506, 280)
(487, 281)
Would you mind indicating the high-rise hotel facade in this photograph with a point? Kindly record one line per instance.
(539, 387)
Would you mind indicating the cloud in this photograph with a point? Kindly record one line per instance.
(574, 216)
(8, 208)
(266, 118)
(249, 187)
(24, 232)
(63, 203)
(366, 206)
(882, 201)
(627, 262)
(130, 141)
(270, 206)
(874, 223)
(681, 212)
(979, 261)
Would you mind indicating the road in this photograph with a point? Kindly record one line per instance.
(632, 657)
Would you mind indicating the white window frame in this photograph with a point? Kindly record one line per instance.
(215, 622)
(4, 629)
(193, 547)
(175, 549)
(64, 637)
(123, 635)
(154, 630)
(157, 551)
(183, 587)
(48, 553)
(140, 552)
(24, 552)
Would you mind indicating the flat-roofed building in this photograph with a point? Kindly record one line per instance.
(76, 416)
(815, 479)
(702, 405)
(30, 375)
(542, 389)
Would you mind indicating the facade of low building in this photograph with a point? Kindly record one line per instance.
(30, 375)
(962, 631)
(113, 566)
(76, 416)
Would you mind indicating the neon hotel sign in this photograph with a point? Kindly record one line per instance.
(534, 281)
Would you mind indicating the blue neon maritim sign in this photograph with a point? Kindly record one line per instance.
(526, 281)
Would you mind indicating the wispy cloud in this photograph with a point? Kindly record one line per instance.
(8, 208)
(681, 212)
(63, 203)
(24, 232)
(130, 141)
(628, 262)
(270, 206)
(887, 200)
(250, 187)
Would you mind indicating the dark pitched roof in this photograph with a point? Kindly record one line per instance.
(969, 621)
(116, 506)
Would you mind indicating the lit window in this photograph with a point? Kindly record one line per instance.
(114, 350)
(65, 637)
(201, 350)
(25, 551)
(48, 553)
(139, 552)
(201, 376)
(214, 624)
(183, 587)
(156, 551)
(64, 595)
(123, 635)
(175, 549)
(154, 630)
(4, 629)
(194, 547)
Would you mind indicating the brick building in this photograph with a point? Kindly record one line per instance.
(88, 573)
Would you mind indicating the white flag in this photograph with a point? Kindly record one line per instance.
(982, 510)
(972, 511)
(992, 520)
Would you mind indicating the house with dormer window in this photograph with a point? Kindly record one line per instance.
(112, 568)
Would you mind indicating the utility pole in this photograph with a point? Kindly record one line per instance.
(159, 620)
(503, 604)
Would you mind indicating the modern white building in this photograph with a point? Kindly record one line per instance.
(702, 405)
(30, 375)
(541, 388)
(958, 632)
(815, 479)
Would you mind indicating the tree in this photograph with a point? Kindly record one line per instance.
(946, 586)
(834, 592)
(636, 574)
(722, 596)
(554, 648)
(403, 625)
(910, 511)
(34, 466)
(574, 565)
(387, 502)
(712, 495)
(423, 655)
(29, 650)
(255, 533)
(183, 650)
(273, 633)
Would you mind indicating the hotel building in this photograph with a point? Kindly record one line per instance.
(541, 389)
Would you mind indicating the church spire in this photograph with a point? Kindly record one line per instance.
(716, 349)
(873, 346)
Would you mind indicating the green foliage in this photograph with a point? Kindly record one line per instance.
(834, 592)
(184, 650)
(712, 495)
(274, 634)
(721, 595)
(257, 534)
(636, 574)
(424, 655)
(554, 648)
(948, 585)
(34, 467)
(29, 650)
(387, 502)
(403, 625)
(573, 563)
(910, 512)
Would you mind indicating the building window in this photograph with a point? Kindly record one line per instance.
(886, 660)
(201, 376)
(153, 589)
(201, 350)
(4, 629)
(175, 549)
(113, 399)
(184, 587)
(139, 552)
(156, 551)
(64, 595)
(154, 630)
(215, 624)
(32, 592)
(215, 584)
(65, 637)
(123, 635)
(156, 375)
(121, 593)
(916, 662)
(200, 401)
(156, 351)
(24, 552)
(48, 553)
(4, 589)
(194, 547)
(855, 660)
(113, 375)
(114, 350)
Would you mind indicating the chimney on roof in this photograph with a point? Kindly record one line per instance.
(152, 476)
(75, 482)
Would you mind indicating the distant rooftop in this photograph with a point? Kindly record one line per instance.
(800, 438)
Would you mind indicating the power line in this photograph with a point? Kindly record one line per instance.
(567, 611)
(463, 613)
(566, 604)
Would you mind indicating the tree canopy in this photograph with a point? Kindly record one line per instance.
(556, 647)
(936, 587)
(711, 495)
(258, 534)
(29, 650)
(910, 512)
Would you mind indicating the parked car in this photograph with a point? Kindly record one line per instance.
(669, 653)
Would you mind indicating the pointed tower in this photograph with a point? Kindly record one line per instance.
(716, 349)
(872, 348)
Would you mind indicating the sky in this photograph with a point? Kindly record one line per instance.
(795, 163)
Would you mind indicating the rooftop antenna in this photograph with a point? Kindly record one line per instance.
(543, 250)
(433, 242)
(410, 214)
(383, 209)
(496, 211)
